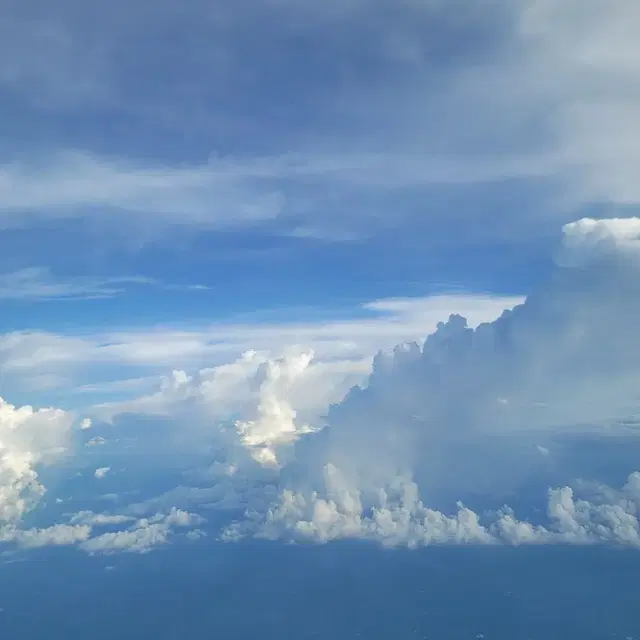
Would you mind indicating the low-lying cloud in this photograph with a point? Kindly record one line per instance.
(428, 451)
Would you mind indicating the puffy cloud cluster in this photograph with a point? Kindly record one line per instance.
(472, 414)
(27, 438)
(587, 240)
(30, 438)
(244, 408)
(475, 412)
(610, 516)
(143, 535)
(399, 517)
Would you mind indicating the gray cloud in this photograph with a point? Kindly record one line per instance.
(400, 96)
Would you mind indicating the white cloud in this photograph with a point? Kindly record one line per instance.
(30, 439)
(27, 438)
(544, 100)
(73, 184)
(399, 518)
(471, 414)
(611, 517)
(345, 345)
(99, 519)
(36, 283)
(467, 414)
(545, 90)
(55, 535)
(101, 472)
(587, 240)
(144, 535)
(288, 193)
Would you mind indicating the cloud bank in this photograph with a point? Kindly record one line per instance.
(470, 411)
(429, 450)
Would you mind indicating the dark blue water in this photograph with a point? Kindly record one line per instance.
(338, 591)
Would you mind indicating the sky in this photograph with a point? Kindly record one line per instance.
(335, 277)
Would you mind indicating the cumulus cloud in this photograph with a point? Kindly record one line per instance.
(31, 438)
(588, 240)
(55, 535)
(399, 518)
(471, 412)
(475, 412)
(101, 472)
(244, 408)
(136, 359)
(28, 438)
(430, 447)
(99, 519)
(610, 517)
(144, 535)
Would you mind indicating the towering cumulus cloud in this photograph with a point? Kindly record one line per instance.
(480, 414)
(29, 439)
(537, 410)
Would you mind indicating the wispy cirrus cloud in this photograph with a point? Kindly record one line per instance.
(226, 192)
(39, 284)
(408, 96)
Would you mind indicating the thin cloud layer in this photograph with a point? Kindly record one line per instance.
(37, 283)
(401, 95)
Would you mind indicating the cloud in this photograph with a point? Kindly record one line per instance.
(397, 96)
(400, 518)
(224, 192)
(144, 535)
(475, 414)
(611, 517)
(122, 362)
(481, 413)
(75, 184)
(588, 240)
(591, 87)
(101, 472)
(37, 283)
(429, 449)
(99, 519)
(28, 438)
(56, 535)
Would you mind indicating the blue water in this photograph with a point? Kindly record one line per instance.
(338, 591)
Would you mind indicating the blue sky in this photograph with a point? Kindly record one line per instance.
(273, 147)
(191, 164)
(213, 216)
